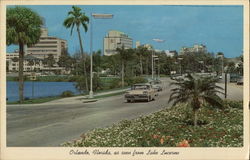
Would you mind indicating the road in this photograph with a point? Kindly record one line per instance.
(51, 124)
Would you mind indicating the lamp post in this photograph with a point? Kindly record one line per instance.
(202, 62)
(152, 66)
(180, 64)
(158, 66)
(95, 16)
(158, 41)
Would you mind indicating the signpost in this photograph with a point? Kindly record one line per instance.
(33, 78)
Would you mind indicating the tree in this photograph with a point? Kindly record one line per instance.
(78, 19)
(124, 55)
(239, 68)
(231, 67)
(7, 66)
(141, 52)
(97, 58)
(50, 61)
(65, 60)
(196, 91)
(23, 28)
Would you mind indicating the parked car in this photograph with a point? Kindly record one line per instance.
(240, 81)
(140, 92)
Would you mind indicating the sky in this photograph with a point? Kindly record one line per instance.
(220, 28)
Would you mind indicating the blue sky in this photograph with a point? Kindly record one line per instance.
(220, 28)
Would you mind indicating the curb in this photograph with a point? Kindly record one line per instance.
(89, 101)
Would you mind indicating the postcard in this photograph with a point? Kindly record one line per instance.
(124, 80)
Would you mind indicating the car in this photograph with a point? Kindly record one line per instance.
(157, 88)
(141, 92)
(156, 85)
(240, 81)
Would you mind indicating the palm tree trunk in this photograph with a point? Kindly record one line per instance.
(195, 117)
(20, 73)
(141, 65)
(84, 60)
(122, 74)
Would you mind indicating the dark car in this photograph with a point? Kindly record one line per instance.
(240, 81)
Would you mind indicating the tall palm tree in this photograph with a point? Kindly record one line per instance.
(23, 28)
(124, 55)
(196, 91)
(141, 53)
(78, 18)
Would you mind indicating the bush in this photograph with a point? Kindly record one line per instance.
(116, 83)
(133, 80)
(233, 104)
(67, 94)
(168, 128)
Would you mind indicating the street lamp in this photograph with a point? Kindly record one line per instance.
(180, 64)
(158, 41)
(95, 16)
(158, 66)
(202, 62)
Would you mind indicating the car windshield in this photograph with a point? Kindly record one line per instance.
(140, 87)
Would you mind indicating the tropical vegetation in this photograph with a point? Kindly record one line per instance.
(172, 127)
(23, 28)
(197, 92)
(77, 18)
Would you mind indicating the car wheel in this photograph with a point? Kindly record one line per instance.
(128, 101)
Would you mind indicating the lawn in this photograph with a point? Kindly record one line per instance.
(37, 100)
(172, 128)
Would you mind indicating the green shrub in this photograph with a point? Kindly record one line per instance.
(67, 94)
(116, 83)
(233, 104)
(167, 128)
(133, 80)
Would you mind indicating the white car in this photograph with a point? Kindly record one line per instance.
(140, 92)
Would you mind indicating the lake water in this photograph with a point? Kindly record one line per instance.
(41, 89)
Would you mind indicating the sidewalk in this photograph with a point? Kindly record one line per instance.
(73, 100)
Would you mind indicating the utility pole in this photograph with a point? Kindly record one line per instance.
(225, 85)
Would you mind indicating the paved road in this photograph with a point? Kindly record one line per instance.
(53, 123)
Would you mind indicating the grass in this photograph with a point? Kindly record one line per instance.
(36, 100)
(172, 128)
(109, 95)
(48, 99)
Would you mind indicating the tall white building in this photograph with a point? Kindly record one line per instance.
(195, 49)
(35, 54)
(116, 39)
(47, 45)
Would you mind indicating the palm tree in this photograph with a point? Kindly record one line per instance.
(78, 19)
(124, 55)
(141, 52)
(23, 28)
(50, 61)
(196, 91)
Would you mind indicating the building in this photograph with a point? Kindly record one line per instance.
(171, 53)
(116, 39)
(30, 63)
(47, 45)
(137, 44)
(148, 46)
(195, 49)
(34, 55)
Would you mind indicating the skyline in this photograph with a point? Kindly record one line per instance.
(220, 28)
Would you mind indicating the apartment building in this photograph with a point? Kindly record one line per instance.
(35, 54)
(197, 48)
(116, 39)
(30, 63)
(47, 45)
